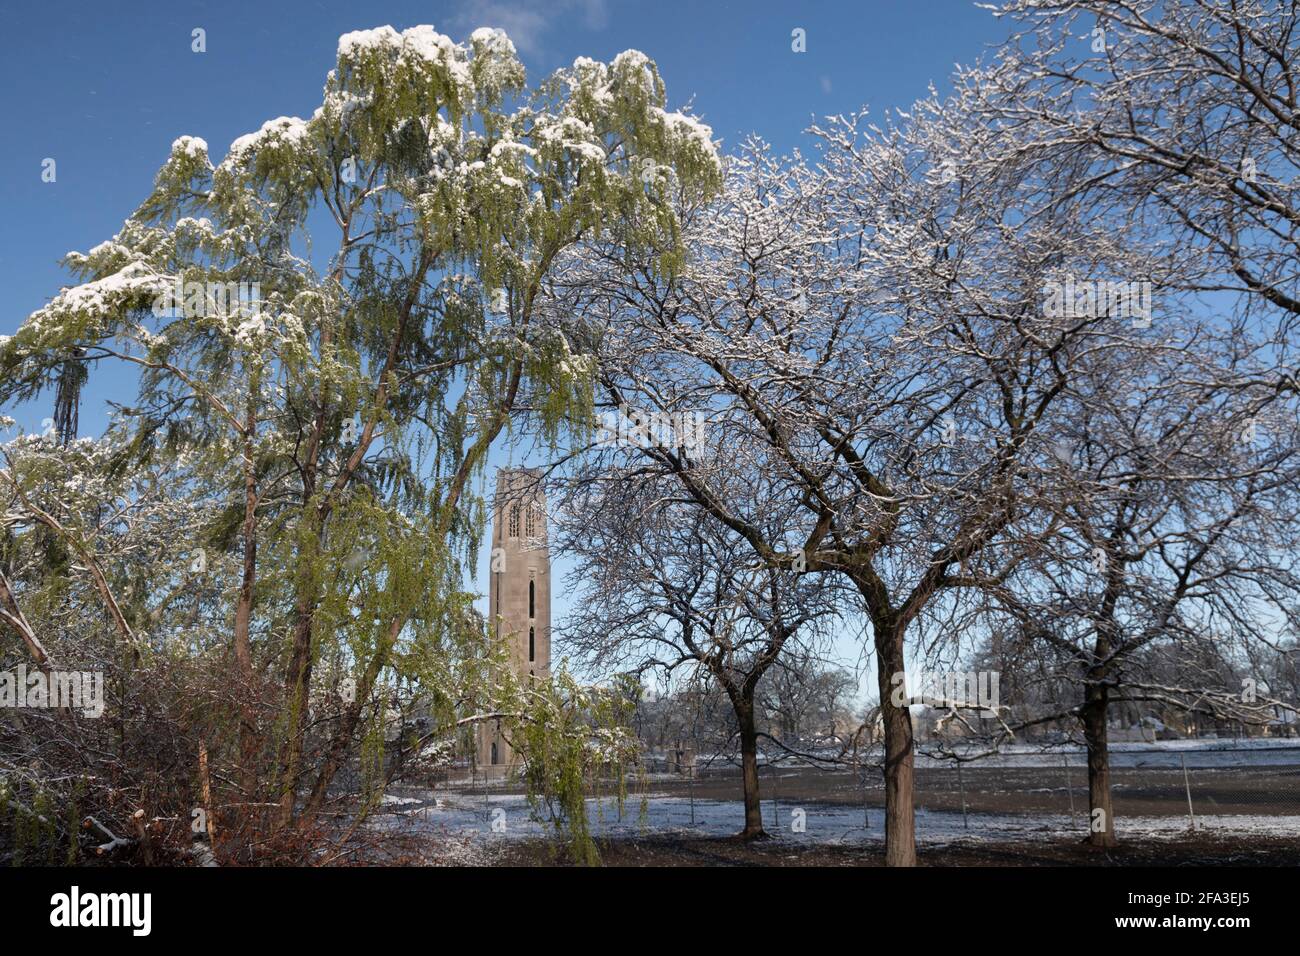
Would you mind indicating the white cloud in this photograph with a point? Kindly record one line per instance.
(528, 21)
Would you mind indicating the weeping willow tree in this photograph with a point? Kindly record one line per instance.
(330, 327)
(575, 738)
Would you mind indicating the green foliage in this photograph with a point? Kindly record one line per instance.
(571, 737)
(73, 818)
(359, 395)
(35, 832)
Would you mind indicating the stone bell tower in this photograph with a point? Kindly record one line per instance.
(519, 593)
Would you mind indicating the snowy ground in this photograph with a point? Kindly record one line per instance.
(1019, 795)
(1202, 753)
(475, 818)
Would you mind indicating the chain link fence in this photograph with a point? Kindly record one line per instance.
(1245, 787)
(1250, 788)
(1231, 788)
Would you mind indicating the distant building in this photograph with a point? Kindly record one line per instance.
(681, 759)
(519, 595)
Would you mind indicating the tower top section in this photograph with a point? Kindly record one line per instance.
(519, 518)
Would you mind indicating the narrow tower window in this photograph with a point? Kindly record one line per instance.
(532, 510)
(514, 520)
(532, 598)
(532, 646)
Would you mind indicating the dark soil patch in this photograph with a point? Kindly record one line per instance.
(1138, 791)
(703, 851)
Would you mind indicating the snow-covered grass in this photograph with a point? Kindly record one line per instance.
(1225, 752)
(508, 817)
(477, 821)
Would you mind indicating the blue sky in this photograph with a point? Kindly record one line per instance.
(104, 88)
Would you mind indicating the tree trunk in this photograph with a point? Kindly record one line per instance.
(297, 689)
(900, 811)
(749, 766)
(249, 742)
(1101, 817)
(349, 722)
(13, 615)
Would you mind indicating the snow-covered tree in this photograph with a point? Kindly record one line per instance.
(870, 338)
(1171, 530)
(668, 594)
(340, 405)
(1183, 114)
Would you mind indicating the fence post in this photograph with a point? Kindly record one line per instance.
(690, 789)
(866, 816)
(1187, 785)
(965, 822)
(776, 807)
(1069, 788)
